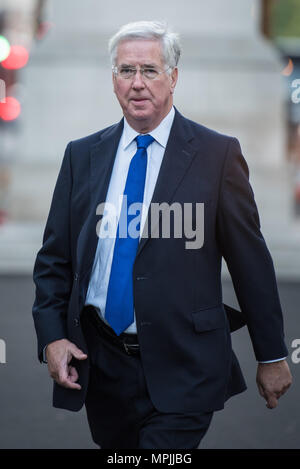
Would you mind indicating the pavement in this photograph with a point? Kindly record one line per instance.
(28, 420)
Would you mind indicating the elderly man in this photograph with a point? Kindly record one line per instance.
(132, 325)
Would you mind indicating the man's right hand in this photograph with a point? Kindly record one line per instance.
(59, 354)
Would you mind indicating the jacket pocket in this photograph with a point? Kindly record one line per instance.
(209, 319)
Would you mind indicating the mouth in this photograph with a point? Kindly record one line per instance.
(139, 100)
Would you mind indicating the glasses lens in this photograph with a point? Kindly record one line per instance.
(151, 73)
(127, 72)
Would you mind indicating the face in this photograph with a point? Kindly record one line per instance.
(144, 102)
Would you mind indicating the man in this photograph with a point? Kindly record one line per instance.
(133, 325)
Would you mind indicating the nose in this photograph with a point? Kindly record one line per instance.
(138, 82)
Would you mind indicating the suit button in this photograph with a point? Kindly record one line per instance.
(76, 322)
(76, 276)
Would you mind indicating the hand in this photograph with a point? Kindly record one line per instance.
(59, 354)
(273, 380)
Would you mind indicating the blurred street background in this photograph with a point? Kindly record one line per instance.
(239, 74)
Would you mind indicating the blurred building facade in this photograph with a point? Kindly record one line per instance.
(229, 79)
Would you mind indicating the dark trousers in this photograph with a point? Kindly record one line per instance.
(119, 409)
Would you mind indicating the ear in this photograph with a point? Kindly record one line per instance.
(114, 81)
(173, 78)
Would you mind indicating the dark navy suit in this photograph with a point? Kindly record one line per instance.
(182, 325)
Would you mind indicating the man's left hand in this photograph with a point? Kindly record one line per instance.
(273, 380)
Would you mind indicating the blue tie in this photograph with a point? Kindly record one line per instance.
(119, 301)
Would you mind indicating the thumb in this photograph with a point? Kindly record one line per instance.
(77, 353)
(271, 401)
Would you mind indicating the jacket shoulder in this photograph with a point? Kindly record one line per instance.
(220, 147)
(201, 131)
(93, 138)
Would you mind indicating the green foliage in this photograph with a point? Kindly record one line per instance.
(285, 18)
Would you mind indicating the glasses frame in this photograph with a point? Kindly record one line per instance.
(115, 70)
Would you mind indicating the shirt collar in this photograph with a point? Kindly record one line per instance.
(160, 133)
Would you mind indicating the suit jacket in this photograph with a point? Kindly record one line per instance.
(182, 325)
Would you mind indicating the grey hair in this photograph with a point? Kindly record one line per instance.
(155, 30)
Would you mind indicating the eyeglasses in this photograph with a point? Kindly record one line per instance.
(126, 72)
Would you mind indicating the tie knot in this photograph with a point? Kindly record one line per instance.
(143, 141)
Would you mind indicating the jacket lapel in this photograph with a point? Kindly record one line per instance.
(102, 157)
(178, 157)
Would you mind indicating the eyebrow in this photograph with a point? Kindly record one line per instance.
(151, 65)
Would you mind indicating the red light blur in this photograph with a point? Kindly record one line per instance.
(18, 58)
(10, 110)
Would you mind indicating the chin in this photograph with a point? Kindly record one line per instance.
(145, 109)
(140, 114)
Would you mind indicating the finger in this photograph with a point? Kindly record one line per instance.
(286, 387)
(73, 375)
(261, 390)
(271, 401)
(65, 381)
(69, 384)
(77, 353)
(282, 392)
(62, 375)
(58, 373)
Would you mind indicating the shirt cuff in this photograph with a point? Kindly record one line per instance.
(273, 361)
(44, 355)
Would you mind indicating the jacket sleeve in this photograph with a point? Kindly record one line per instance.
(248, 259)
(52, 273)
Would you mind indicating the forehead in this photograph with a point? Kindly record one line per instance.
(139, 51)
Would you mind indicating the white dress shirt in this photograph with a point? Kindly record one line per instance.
(98, 285)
